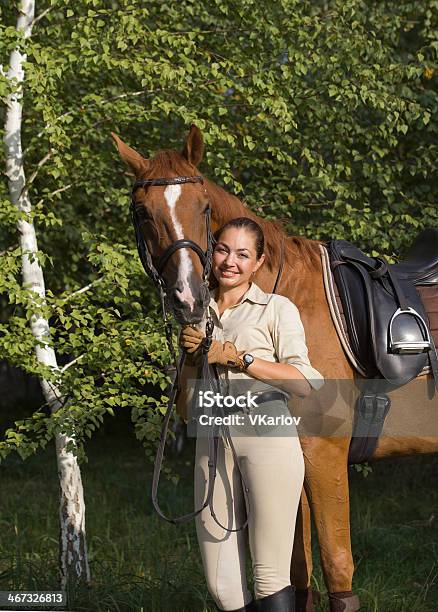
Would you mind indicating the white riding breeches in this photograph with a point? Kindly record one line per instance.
(273, 470)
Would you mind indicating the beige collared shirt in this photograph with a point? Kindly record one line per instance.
(268, 326)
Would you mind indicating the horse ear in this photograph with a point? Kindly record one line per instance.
(135, 161)
(193, 149)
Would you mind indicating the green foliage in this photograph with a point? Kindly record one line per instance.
(362, 468)
(320, 114)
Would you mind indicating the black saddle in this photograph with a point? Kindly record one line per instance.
(420, 265)
(386, 320)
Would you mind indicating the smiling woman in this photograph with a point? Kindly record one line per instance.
(248, 345)
(238, 254)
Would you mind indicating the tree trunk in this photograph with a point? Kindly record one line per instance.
(72, 542)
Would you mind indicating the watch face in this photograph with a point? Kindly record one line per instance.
(248, 359)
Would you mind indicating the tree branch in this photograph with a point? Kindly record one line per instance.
(120, 96)
(35, 173)
(52, 193)
(11, 248)
(83, 289)
(70, 363)
(43, 14)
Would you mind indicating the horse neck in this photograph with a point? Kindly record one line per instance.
(224, 205)
(296, 274)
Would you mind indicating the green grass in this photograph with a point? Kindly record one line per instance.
(139, 562)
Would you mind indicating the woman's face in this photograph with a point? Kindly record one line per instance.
(235, 257)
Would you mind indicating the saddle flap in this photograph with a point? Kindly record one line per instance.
(352, 253)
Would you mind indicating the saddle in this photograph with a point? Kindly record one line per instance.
(390, 312)
(386, 320)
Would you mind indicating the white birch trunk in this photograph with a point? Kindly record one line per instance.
(72, 544)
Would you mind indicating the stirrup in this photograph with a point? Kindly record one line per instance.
(410, 347)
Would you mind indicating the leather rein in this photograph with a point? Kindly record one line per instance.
(155, 272)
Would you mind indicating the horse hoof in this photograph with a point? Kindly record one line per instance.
(344, 601)
(306, 599)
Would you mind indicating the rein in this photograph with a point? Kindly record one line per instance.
(155, 272)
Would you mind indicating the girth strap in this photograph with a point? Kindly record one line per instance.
(370, 414)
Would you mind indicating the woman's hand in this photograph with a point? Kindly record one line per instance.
(190, 339)
(225, 354)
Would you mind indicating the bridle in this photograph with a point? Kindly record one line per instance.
(155, 272)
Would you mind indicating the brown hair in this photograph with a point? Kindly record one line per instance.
(251, 226)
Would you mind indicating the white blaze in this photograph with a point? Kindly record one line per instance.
(172, 194)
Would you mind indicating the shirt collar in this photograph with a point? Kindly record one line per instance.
(253, 294)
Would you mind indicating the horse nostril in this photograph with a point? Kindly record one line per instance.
(182, 300)
(177, 291)
(178, 296)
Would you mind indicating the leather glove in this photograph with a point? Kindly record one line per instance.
(190, 339)
(191, 342)
(225, 354)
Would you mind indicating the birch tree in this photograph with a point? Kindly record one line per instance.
(72, 541)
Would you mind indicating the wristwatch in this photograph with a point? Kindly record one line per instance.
(247, 360)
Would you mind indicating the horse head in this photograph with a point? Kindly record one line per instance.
(171, 212)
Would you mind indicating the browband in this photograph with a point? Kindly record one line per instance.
(175, 180)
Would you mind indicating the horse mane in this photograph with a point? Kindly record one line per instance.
(297, 249)
(167, 163)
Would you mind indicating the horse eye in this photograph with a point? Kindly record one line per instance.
(143, 212)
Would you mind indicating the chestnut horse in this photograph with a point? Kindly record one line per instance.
(173, 212)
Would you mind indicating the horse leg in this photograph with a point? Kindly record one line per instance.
(302, 564)
(326, 483)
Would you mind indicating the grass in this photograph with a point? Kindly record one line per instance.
(141, 563)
